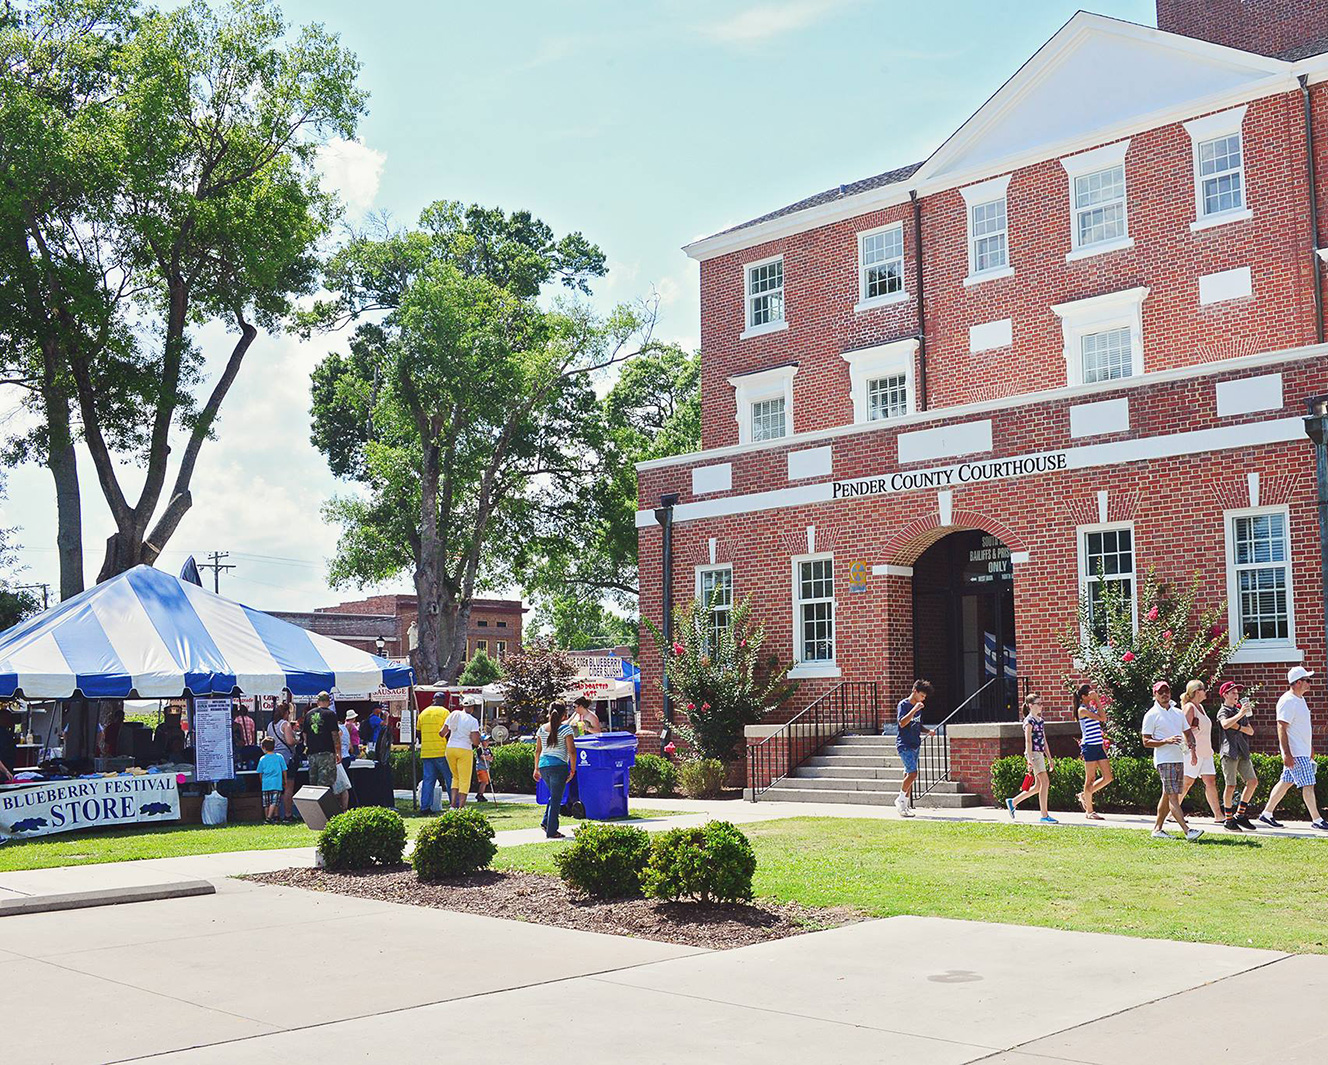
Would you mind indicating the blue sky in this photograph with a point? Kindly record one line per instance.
(643, 125)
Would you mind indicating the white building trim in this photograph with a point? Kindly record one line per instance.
(1114, 310)
(870, 364)
(750, 388)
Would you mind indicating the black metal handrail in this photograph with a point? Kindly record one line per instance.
(934, 754)
(849, 706)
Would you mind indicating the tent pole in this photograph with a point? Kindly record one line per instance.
(414, 740)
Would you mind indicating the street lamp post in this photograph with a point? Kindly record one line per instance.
(664, 515)
(1316, 428)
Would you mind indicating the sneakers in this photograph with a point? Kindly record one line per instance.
(907, 809)
(901, 804)
(1231, 824)
(1244, 821)
(1321, 824)
(1269, 820)
(1193, 834)
(1048, 820)
(1009, 805)
(1159, 834)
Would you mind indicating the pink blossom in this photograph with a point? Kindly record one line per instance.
(679, 649)
(691, 706)
(1152, 614)
(705, 706)
(742, 643)
(1167, 636)
(1128, 656)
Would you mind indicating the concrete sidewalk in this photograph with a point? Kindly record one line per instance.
(192, 982)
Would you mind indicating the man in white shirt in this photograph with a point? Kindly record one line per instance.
(1169, 735)
(462, 733)
(1297, 744)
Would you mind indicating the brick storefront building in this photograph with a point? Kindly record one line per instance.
(1081, 333)
(495, 624)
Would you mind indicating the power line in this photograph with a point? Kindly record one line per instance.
(216, 567)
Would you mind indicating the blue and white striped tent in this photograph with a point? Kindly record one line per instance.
(146, 634)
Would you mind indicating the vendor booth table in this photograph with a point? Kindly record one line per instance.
(145, 634)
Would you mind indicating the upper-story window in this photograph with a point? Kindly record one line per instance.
(1099, 219)
(881, 266)
(1259, 579)
(1219, 168)
(881, 380)
(764, 403)
(765, 296)
(1103, 336)
(988, 230)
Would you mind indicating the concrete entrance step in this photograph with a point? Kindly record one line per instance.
(799, 794)
(830, 757)
(857, 772)
(850, 739)
(803, 779)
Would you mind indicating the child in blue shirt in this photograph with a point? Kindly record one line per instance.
(272, 774)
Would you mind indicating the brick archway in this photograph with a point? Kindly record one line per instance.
(908, 544)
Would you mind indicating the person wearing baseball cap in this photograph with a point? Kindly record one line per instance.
(1233, 718)
(1169, 735)
(1297, 745)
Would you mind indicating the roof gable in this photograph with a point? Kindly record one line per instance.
(1094, 78)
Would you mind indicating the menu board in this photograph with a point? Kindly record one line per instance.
(212, 739)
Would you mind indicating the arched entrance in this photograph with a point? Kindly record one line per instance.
(964, 625)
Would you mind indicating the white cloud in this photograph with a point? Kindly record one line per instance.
(768, 20)
(352, 170)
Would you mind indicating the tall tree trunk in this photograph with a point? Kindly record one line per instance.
(63, 464)
(428, 575)
(454, 613)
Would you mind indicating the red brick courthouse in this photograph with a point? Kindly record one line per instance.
(1081, 334)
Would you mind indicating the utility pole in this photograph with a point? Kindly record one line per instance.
(216, 567)
(45, 591)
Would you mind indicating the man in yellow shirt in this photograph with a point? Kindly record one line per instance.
(433, 752)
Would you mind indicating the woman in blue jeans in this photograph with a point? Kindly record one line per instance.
(555, 763)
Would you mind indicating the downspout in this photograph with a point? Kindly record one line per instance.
(922, 318)
(1314, 206)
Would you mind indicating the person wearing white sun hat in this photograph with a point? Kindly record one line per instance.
(1297, 745)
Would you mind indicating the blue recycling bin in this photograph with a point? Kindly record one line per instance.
(603, 772)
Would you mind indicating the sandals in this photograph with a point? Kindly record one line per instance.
(1083, 805)
(1095, 816)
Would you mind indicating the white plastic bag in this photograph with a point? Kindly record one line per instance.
(214, 808)
(342, 783)
(439, 797)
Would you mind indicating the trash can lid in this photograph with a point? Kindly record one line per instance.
(608, 741)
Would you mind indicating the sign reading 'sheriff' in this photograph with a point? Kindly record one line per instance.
(949, 476)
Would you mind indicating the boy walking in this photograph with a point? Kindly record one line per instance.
(272, 774)
(1167, 732)
(1233, 717)
(908, 740)
(1297, 745)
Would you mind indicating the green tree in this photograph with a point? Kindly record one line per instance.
(459, 405)
(180, 191)
(577, 623)
(481, 670)
(1173, 640)
(535, 676)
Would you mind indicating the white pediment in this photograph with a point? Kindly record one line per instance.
(1098, 77)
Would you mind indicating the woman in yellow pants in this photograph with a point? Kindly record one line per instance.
(462, 732)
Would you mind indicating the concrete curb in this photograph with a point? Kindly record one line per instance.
(78, 900)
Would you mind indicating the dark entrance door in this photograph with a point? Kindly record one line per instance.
(963, 626)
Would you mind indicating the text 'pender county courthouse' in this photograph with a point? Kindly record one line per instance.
(1076, 342)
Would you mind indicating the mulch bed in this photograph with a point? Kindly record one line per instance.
(541, 899)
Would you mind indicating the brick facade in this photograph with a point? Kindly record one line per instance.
(1172, 469)
(495, 624)
(1268, 27)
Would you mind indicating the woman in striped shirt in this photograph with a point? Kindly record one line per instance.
(1092, 718)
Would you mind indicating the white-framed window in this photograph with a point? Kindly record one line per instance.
(1220, 195)
(1106, 557)
(1259, 599)
(814, 610)
(500, 649)
(881, 380)
(714, 591)
(769, 419)
(764, 403)
(881, 267)
(482, 645)
(1099, 217)
(1103, 337)
(763, 283)
(988, 230)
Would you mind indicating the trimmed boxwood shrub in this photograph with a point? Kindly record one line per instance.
(653, 775)
(1136, 787)
(605, 861)
(713, 863)
(702, 779)
(456, 843)
(513, 767)
(362, 838)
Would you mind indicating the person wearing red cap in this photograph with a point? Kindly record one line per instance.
(1233, 717)
(1166, 731)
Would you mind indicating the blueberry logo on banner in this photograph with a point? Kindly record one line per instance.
(155, 808)
(28, 824)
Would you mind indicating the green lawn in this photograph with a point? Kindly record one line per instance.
(1237, 890)
(174, 841)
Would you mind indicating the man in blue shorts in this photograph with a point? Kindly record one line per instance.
(1296, 741)
(908, 740)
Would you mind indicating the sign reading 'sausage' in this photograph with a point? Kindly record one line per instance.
(949, 476)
